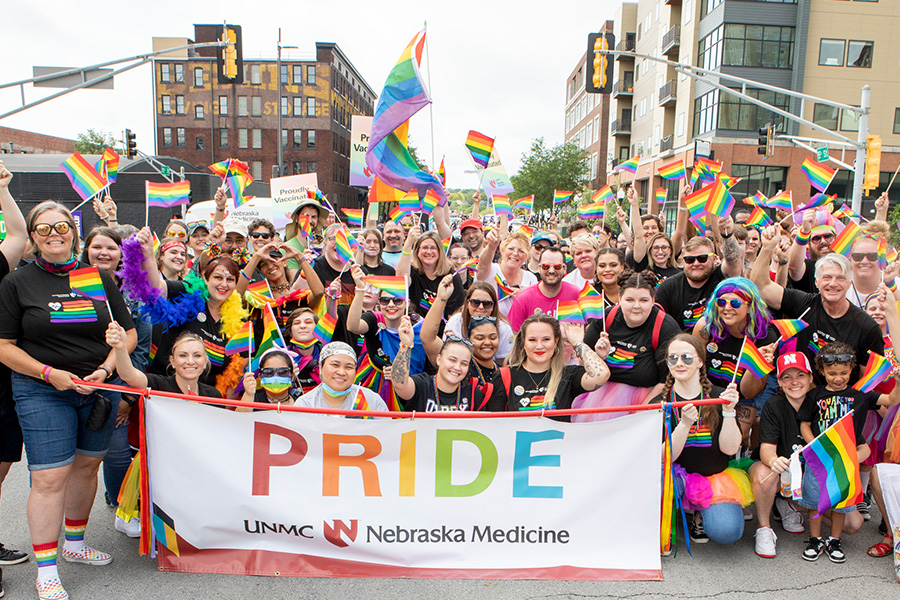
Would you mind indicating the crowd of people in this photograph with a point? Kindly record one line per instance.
(475, 329)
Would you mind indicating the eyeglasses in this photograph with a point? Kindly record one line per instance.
(702, 258)
(452, 337)
(540, 246)
(280, 371)
(827, 237)
(734, 302)
(481, 303)
(176, 233)
(553, 267)
(43, 230)
(659, 248)
(859, 256)
(259, 234)
(687, 359)
(841, 359)
(391, 300)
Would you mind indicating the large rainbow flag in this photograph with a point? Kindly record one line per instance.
(84, 178)
(480, 147)
(834, 463)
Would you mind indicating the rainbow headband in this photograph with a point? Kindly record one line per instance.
(169, 244)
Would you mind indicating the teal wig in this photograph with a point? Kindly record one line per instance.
(758, 317)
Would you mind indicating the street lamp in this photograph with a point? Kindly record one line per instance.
(280, 136)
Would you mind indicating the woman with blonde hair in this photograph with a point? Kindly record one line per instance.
(584, 249)
(509, 272)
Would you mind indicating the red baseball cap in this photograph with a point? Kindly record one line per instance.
(793, 360)
(470, 223)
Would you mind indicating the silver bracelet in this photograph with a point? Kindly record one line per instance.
(731, 414)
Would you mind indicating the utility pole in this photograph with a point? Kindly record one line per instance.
(278, 108)
(860, 165)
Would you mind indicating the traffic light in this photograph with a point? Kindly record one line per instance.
(766, 140)
(598, 79)
(230, 59)
(873, 163)
(130, 144)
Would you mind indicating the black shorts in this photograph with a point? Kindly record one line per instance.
(10, 432)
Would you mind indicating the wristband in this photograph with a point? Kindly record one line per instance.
(406, 253)
(360, 290)
(45, 373)
(245, 276)
(803, 238)
(891, 285)
(731, 414)
(105, 370)
(405, 346)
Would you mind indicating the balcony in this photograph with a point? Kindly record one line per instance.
(626, 45)
(673, 2)
(620, 88)
(667, 93)
(666, 144)
(620, 127)
(671, 42)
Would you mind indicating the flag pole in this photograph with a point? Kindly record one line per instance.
(406, 287)
(250, 348)
(146, 203)
(738, 365)
(430, 104)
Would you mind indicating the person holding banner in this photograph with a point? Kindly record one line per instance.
(537, 377)
(66, 426)
(277, 379)
(426, 263)
(703, 443)
(337, 365)
(171, 258)
(510, 270)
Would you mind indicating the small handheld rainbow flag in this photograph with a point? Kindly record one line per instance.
(590, 303)
(696, 201)
(396, 215)
(305, 225)
(237, 183)
(395, 285)
(87, 282)
(707, 168)
(882, 253)
(230, 166)
(503, 290)
(817, 200)
(271, 336)
(108, 165)
(673, 171)
(501, 205)
(442, 174)
(430, 202)
(525, 203)
(469, 265)
(410, 202)
(324, 330)
(561, 196)
(818, 174)
(661, 194)
(480, 147)
(629, 165)
(167, 195)
(445, 243)
(260, 287)
(83, 177)
(844, 240)
(604, 194)
(753, 360)
(834, 463)
(342, 245)
(877, 370)
(757, 199)
(529, 231)
(729, 181)
(720, 201)
(788, 328)
(781, 201)
(354, 216)
(242, 340)
(360, 403)
(315, 194)
(758, 218)
(591, 211)
(567, 311)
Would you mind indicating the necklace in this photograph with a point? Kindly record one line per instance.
(282, 287)
(533, 382)
(696, 426)
(481, 378)
(437, 393)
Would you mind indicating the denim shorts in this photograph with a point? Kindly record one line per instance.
(759, 400)
(53, 423)
(809, 489)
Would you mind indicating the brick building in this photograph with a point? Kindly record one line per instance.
(16, 141)
(201, 121)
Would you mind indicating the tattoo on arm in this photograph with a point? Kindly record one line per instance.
(731, 250)
(593, 365)
(400, 368)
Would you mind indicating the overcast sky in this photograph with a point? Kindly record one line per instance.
(496, 67)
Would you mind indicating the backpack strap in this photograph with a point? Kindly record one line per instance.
(611, 315)
(657, 326)
(506, 376)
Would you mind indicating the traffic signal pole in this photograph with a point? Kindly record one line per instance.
(860, 170)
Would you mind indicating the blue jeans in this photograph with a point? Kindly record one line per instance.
(723, 523)
(116, 463)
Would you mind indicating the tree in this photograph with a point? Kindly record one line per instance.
(544, 169)
(94, 142)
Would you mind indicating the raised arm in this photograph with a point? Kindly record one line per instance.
(797, 253)
(623, 226)
(768, 289)
(637, 230)
(312, 279)
(403, 383)
(683, 227)
(881, 207)
(486, 258)
(220, 207)
(733, 265)
(145, 237)
(406, 255)
(16, 234)
(441, 217)
(432, 323)
(249, 269)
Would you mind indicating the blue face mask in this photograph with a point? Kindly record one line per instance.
(333, 392)
(275, 384)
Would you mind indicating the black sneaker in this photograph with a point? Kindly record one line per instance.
(814, 548)
(698, 535)
(11, 557)
(834, 550)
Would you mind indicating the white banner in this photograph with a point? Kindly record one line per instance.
(289, 493)
(495, 180)
(360, 129)
(287, 193)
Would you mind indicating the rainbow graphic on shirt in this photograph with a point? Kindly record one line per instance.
(725, 370)
(73, 311)
(816, 344)
(426, 303)
(621, 359)
(215, 352)
(536, 402)
(696, 313)
(699, 436)
(152, 351)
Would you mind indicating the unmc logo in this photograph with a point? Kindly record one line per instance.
(335, 533)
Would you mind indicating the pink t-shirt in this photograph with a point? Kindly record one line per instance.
(531, 300)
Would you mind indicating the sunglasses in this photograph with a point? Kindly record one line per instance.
(734, 302)
(476, 321)
(702, 258)
(280, 371)
(176, 233)
(259, 234)
(859, 256)
(841, 359)
(818, 238)
(481, 303)
(553, 267)
(452, 337)
(194, 224)
(391, 300)
(540, 246)
(687, 359)
(61, 228)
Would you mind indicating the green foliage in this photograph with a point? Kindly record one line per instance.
(94, 142)
(893, 218)
(415, 156)
(544, 169)
(462, 201)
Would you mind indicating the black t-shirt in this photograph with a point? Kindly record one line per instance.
(167, 383)
(54, 325)
(423, 399)
(5, 384)
(423, 291)
(779, 425)
(484, 375)
(701, 453)
(527, 390)
(807, 283)
(721, 357)
(855, 328)
(327, 275)
(632, 358)
(826, 408)
(684, 302)
(380, 269)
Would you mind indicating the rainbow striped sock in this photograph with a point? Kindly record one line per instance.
(45, 555)
(75, 534)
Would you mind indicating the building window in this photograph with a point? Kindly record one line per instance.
(242, 138)
(198, 77)
(179, 137)
(767, 180)
(831, 53)
(164, 72)
(223, 137)
(859, 54)
(166, 105)
(179, 105)
(826, 116)
(285, 107)
(766, 46)
(311, 167)
(310, 107)
(709, 50)
(256, 166)
(179, 73)
(298, 138)
(737, 114)
(255, 106)
(198, 111)
(242, 106)
(223, 105)
(298, 106)
(298, 74)
(849, 121)
(284, 138)
(707, 6)
(167, 137)
(257, 138)
(255, 75)
(284, 74)
(200, 144)
(897, 120)
(297, 167)
(311, 139)
(311, 74)
(706, 109)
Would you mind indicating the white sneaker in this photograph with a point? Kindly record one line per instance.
(791, 519)
(130, 528)
(765, 542)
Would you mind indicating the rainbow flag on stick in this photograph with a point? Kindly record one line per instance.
(833, 461)
(758, 218)
(324, 330)
(753, 360)
(567, 311)
(503, 290)
(788, 328)
(844, 240)
(410, 202)
(525, 203)
(673, 171)
(87, 282)
(877, 370)
(480, 147)
(720, 201)
(696, 201)
(501, 205)
(445, 243)
(260, 287)
(629, 165)
(604, 194)
(429, 202)
(343, 248)
(395, 285)
(271, 336)
(561, 196)
(591, 211)
(757, 199)
(441, 173)
(396, 215)
(529, 231)
(167, 195)
(661, 194)
(242, 340)
(819, 199)
(590, 303)
(818, 174)
(882, 253)
(354, 216)
(237, 183)
(469, 265)
(781, 201)
(108, 165)
(84, 178)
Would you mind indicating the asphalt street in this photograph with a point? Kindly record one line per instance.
(713, 572)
